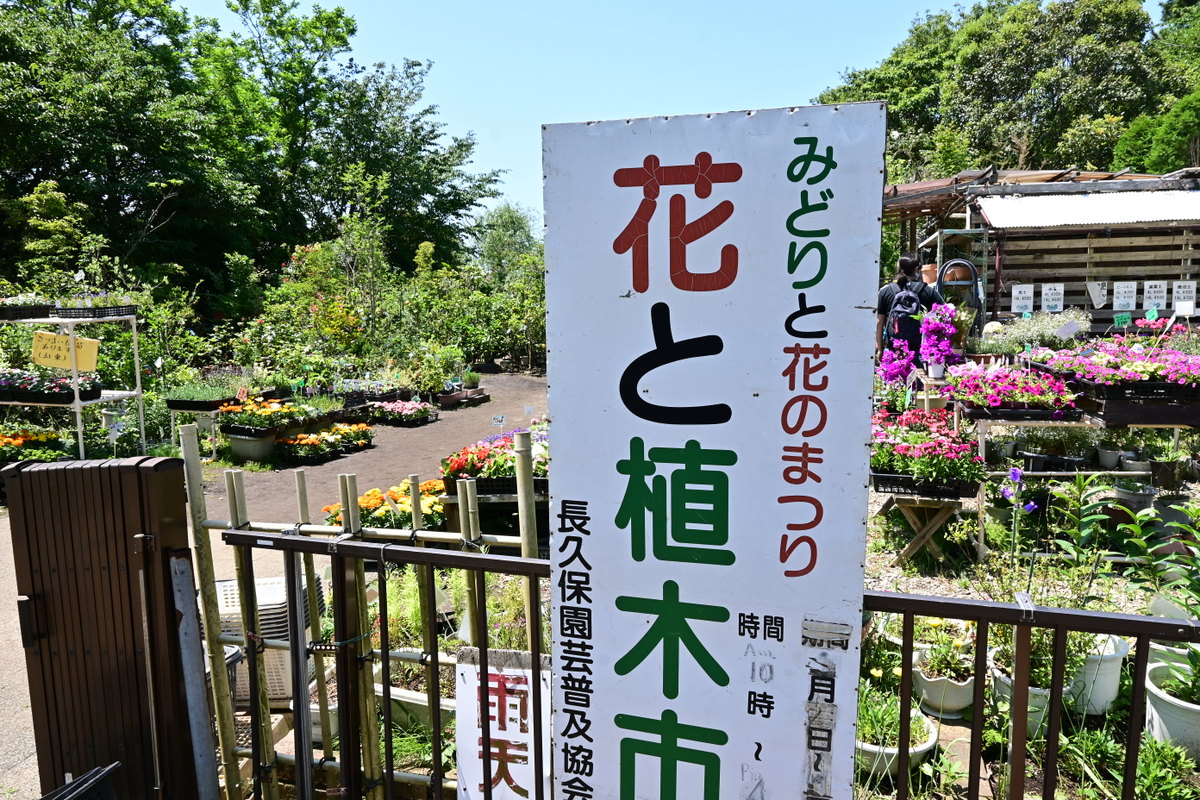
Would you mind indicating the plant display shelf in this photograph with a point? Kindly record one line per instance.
(77, 405)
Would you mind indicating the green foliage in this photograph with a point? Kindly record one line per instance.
(879, 718)
(1132, 150)
(1176, 141)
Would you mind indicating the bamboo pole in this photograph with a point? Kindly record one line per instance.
(372, 769)
(222, 694)
(526, 521)
(428, 615)
(314, 632)
(468, 513)
(234, 488)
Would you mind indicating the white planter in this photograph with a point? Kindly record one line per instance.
(1169, 719)
(1130, 465)
(1039, 703)
(880, 761)
(1109, 459)
(935, 371)
(251, 448)
(1096, 685)
(1167, 652)
(942, 697)
(1134, 501)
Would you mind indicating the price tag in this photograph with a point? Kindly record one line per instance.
(1068, 330)
(1028, 349)
(242, 393)
(1026, 315)
(908, 397)
(498, 420)
(1152, 313)
(1122, 320)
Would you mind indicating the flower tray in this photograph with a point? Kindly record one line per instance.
(1140, 390)
(1022, 414)
(908, 484)
(95, 312)
(1121, 412)
(381, 397)
(25, 312)
(197, 405)
(52, 398)
(496, 486)
(229, 429)
(417, 422)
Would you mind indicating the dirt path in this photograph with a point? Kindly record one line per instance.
(398, 452)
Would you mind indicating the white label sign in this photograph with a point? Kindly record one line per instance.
(1052, 297)
(711, 286)
(1183, 292)
(1124, 295)
(1098, 292)
(511, 707)
(1154, 295)
(1022, 298)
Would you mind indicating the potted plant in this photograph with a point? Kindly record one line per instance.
(944, 676)
(877, 742)
(204, 396)
(1134, 495)
(24, 306)
(492, 462)
(1010, 392)
(470, 382)
(937, 333)
(920, 452)
(1173, 702)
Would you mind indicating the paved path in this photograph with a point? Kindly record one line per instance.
(270, 497)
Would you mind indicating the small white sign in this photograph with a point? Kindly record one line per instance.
(1068, 330)
(1183, 292)
(1124, 295)
(1185, 308)
(1052, 297)
(498, 420)
(510, 712)
(1098, 291)
(1154, 295)
(1022, 298)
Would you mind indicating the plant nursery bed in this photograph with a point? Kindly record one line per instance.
(908, 484)
(1022, 414)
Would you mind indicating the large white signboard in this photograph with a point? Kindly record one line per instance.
(1052, 297)
(711, 290)
(1183, 292)
(1154, 295)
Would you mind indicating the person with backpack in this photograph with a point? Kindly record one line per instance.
(898, 304)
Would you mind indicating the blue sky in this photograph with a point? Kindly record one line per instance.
(502, 69)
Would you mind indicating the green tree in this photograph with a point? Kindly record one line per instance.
(1176, 141)
(1132, 149)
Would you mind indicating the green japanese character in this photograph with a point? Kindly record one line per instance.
(670, 754)
(671, 628)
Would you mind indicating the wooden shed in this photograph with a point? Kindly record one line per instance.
(1043, 229)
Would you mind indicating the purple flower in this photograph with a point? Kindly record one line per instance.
(1007, 492)
(1030, 506)
(1015, 474)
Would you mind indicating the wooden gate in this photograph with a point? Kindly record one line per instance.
(94, 543)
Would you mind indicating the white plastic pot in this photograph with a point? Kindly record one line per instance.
(1169, 719)
(879, 761)
(1039, 703)
(1096, 684)
(942, 697)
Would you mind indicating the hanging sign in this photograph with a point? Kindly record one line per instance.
(510, 703)
(1183, 292)
(710, 284)
(54, 350)
(1052, 297)
(1022, 298)
(1124, 295)
(1098, 292)
(1154, 295)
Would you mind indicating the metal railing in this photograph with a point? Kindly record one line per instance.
(1023, 619)
(358, 774)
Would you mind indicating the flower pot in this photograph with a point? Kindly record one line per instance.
(1039, 703)
(1165, 474)
(1109, 459)
(935, 371)
(942, 697)
(1006, 449)
(930, 402)
(1135, 500)
(248, 448)
(1167, 652)
(1133, 465)
(879, 761)
(1169, 719)
(1095, 686)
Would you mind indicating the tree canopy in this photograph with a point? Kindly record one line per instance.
(1026, 84)
(179, 148)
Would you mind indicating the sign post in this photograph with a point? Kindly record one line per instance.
(711, 287)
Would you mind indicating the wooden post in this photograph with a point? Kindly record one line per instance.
(222, 694)
(428, 613)
(470, 529)
(314, 630)
(1019, 710)
(234, 488)
(526, 520)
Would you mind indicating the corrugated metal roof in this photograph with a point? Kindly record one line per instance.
(1101, 209)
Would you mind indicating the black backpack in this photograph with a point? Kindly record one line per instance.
(901, 319)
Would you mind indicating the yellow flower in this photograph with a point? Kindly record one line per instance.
(877, 673)
(958, 644)
(936, 622)
(897, 671)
